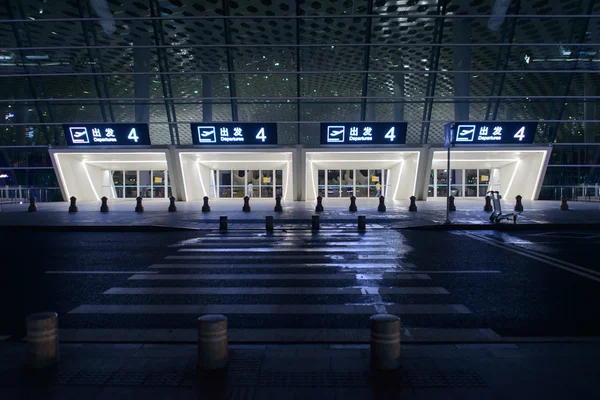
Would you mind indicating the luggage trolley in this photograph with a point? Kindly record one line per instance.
(497, 215)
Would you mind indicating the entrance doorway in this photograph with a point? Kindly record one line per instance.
(463, 182)
(254, 183)
(358, 182)
(151, 184)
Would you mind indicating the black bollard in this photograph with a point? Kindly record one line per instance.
(138, 206)
(319, 206)
(381, 207)
(563, 205)
(488, 204)
(413, 204)
(269, 223)
(32, 207)
(278, 207)
(518, 204)
(104, 206)
(223, 223)
(352, 204)
(73, 206)
(205, 206)
(316, 223)
(451, 205)
(362, 222)
(172, 206)
(246, 207)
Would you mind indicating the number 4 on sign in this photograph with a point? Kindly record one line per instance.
(391, 134)
(520, 134)
(261, 135)
(133, 135)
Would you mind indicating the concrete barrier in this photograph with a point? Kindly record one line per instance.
(319, 206)
(138, 206)
(278, 207)
(381, 207)
(316, 222)
(413, 204)
(104, 206)
(246, 207)
(451, 205)
(385, 341)
(73, 207)
(205, 206)
(352, 207)
(32, 207)
(223, 223)
(362, 222)
(488, 204)
(564, 206)
(42, 340)
(269, 223)
(212, 342)
(519, 204)
(172, 206)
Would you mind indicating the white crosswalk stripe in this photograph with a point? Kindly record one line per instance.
(297, 273)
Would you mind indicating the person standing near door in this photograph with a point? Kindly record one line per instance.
(250, 190)
(378, 189)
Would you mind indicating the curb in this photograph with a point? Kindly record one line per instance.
(502, 227)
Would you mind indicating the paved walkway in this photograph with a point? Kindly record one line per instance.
(261, 372)
(295, 214)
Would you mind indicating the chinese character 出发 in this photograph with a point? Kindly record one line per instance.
(497, 131)
(96, 132)
(110, 132)
(224, 132)
(354, 131)
(483, 131)
(237, 131)
(367, 131)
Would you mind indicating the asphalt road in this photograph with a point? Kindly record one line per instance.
(512, 284)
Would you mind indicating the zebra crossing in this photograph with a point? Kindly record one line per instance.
(294, 286)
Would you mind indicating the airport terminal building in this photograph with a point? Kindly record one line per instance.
(223, 99)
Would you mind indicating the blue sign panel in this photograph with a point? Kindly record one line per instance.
(208, 133)
(490, 132)
(363, 133)
(107, 135)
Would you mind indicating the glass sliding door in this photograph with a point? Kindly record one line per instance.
(362, 183)
(266, 183)
(238, 187)
(333, 183)
(347, 182)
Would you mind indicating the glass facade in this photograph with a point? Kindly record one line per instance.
(298, 64)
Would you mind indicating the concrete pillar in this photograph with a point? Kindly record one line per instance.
(590, 109)
(141, 83)
(399, 92)
(385, 341)
(461, 33)
(212, 342)
(42, 340)
(207, 114)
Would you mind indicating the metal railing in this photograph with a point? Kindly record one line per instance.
(21, 194)
(571, 192)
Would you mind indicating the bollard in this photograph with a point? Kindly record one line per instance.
(223, 223)
(488, 204)
(73, 206)
(362, 223)
(42, 340)
(246, 207)
(205, 206)
(451, 205)
(278, 207)
(316, 223)
(352, 204)
(212, 342)
(563, 205)
(381, 207)
(104, 206)
(519, 205)
(269, 223)
(385, 341)
(413, 204)
(172, 206)
(138, 206)
(319, 206)
(32, 207)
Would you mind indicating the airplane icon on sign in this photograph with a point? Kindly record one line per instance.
(465, 133)
(207, 134)
(335, 133)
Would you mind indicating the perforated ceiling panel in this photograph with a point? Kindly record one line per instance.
(283, 69)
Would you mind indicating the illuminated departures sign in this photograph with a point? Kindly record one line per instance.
(233, 133)
(490, 132)
(107, 135)
(363, 133)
